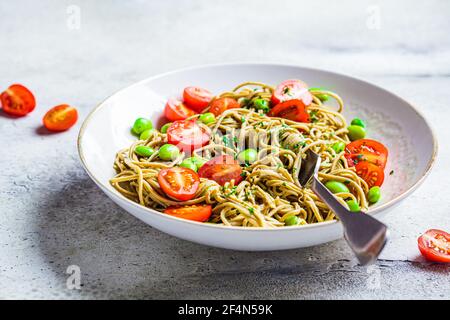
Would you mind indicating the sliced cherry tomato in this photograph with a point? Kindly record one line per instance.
(199, 212)
(187, 135)
(197, 98)
(179, 182)
(371, 173)
(218, 106)
(366, 150)
(176, 110)
(60, 118)
(292, 89)
(435, 245)
(18, 100)
(221, 169)
(292, 109)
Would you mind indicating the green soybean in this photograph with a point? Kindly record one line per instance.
(374, 194)
(338, 147)
(356, 132)
(187, 163)
(165, 127)
(353, 205)
(141, 124)
(207, 118)
(261, 104)
(358, 122)
(292, 221)
(322, 97)
(248, 156)
(168, 152)
(336, 187)
(146, 134)
(199, 162)
(144, 151)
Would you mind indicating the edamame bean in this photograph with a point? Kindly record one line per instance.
(261, 104)
(199, 162)
(207, 118)
(144, 151)
(141, 124)
(374, 194)
(247, 156)
(338, 147)
(165, 127)
(292, 221)
(322, 97)
(353, 205)
(187, 163)
(356, 132)
(336, 187)
(168, 152)
(358, 122)
(146, 134)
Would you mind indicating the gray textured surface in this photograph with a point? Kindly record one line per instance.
(53, 216)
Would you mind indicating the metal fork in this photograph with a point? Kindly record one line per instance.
(365, 235)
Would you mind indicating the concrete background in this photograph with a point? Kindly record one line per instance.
(52, 215)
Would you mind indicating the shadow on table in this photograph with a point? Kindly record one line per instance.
(43, 131)
(421, 264)
(121, 257)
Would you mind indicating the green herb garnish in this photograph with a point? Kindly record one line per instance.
(313, 116)
(227, 142)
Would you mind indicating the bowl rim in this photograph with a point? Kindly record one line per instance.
(375, 211)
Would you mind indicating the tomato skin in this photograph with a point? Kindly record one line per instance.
(176, 110)
(435, 239)
(60, 118)
(294, 110)
(292, 89)
(222, 169)
(371, 173)
(200, 213)
(17, 100)
(197, 98)
(179, 183)
(220, 105)
(366, 150)
(187, 135)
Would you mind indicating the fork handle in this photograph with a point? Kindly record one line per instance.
(364, 234)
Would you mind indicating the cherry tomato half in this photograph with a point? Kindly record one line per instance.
(218, 106)
(292, 109)
(18, 100)
(176, 110)
(199, 212)
(370, 173)
(222, 169)
(60, 118)
(187, 135)
(366, 150)
(179, 183)
(292, 89)
(197, 98)
(435, 245)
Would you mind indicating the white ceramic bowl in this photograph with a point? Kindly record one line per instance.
(392, 120)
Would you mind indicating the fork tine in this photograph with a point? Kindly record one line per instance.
(309, 166)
